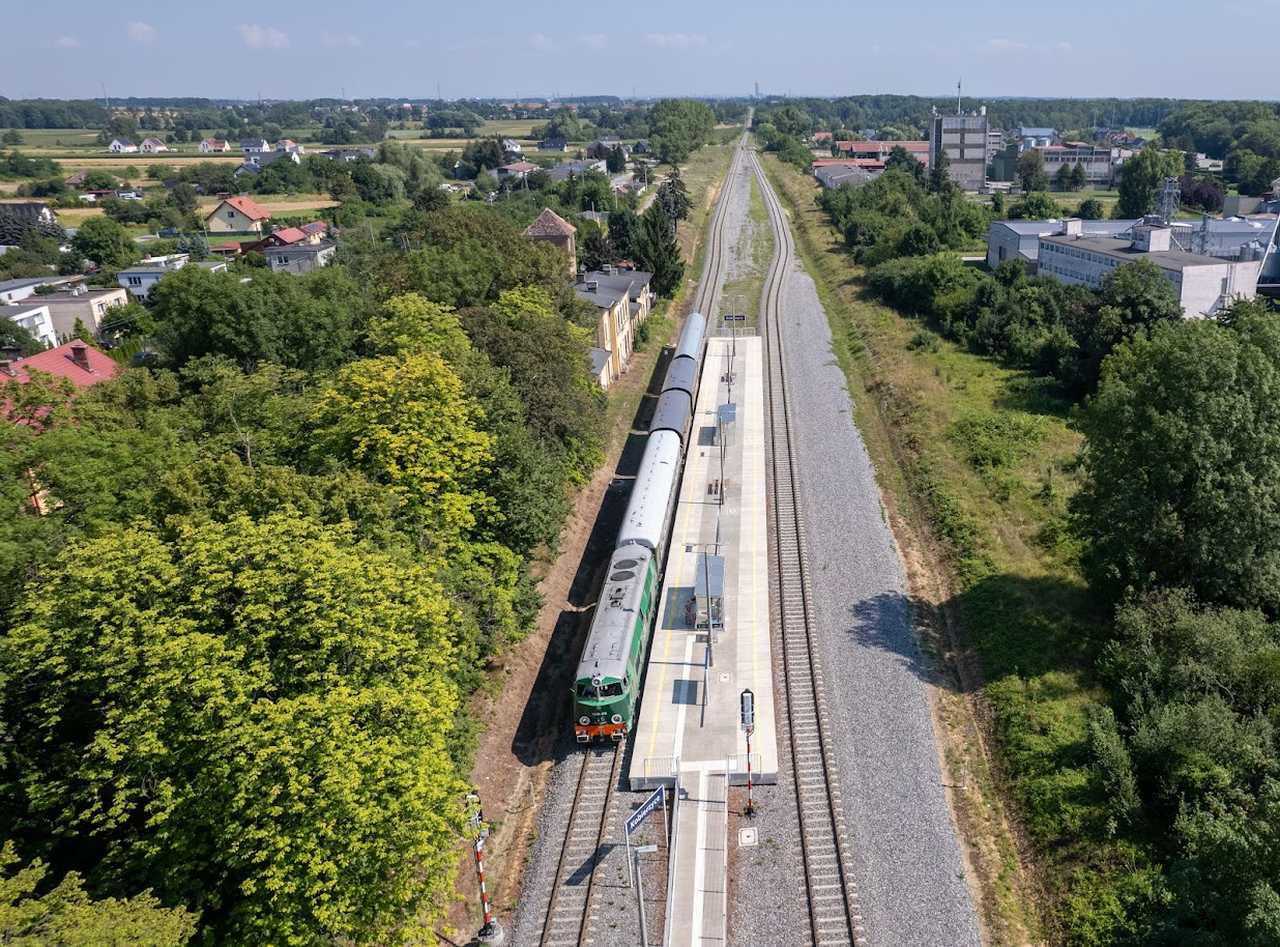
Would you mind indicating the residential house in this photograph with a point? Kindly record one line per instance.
(562, 171)
(78, 363)
(624, 300)
(153, 146)
(33, 316)
(254, 146)
(290, 146)
(236, 215)
(511, 147)
(214, 146)
(301, 257)
(553, 144)
(29, 212)
(350, 154)
(641, 147)
(822, 138)
(122, 146)
(77, 180)
(557, 231)
(139, 279)
(601, 147)
(16, 290)
(516, 171)
(79, 304)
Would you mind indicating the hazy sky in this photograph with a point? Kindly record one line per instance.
(656, 47)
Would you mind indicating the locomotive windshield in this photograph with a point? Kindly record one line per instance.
(586, 691)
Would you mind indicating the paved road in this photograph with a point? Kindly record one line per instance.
(908, 863)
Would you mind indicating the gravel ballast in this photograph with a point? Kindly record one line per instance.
(908, 863)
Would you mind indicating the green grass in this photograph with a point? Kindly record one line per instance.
(982, 456)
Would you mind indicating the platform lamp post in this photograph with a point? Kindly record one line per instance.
(491, 931)
(748, 702)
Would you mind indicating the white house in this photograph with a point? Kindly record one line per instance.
(255, 146)
(122, 146)
(511, 146)
(35, 318)
(290, 146)
(214, 145)
(139, 279)
(153, 146)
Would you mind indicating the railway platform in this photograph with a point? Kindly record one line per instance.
(689, 713)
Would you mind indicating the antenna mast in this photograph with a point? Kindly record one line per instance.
(958, 96)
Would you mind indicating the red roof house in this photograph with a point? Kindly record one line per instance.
(81, 364)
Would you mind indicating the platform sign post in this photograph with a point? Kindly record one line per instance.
(644, 924)
(748, 701)
(657, 798)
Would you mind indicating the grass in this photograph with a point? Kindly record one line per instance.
(982, 458)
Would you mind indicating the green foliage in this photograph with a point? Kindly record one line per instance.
(679, 127)
(284, 690)
(1031, 173)
(309, 322)
(67, 915)
(1141, 177)
(1035, 206)
(106, 242)
(657, 250)
(1182, 466)
(1091, 209)
(674, 197)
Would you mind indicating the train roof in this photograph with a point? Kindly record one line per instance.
(691, 336)
(682, 374)
(609, 641)
(651, 493)
(673, 412)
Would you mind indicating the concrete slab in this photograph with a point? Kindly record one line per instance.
(689, 713)
(696, 913)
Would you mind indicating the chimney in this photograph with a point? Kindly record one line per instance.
(80, 355)
(6, 367)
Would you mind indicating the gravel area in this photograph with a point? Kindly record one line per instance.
(908, 862)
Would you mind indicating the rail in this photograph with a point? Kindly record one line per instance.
(834, 911)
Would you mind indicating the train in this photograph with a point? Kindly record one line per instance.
(606, 686)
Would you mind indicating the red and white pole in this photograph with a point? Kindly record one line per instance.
(491, 932)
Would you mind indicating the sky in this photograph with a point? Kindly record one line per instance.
(658, 47)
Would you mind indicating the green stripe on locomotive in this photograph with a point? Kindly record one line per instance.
(608, 680)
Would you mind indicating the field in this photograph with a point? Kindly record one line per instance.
(978, 459)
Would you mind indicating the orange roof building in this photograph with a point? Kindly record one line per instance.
(557, 231)
(237, 215)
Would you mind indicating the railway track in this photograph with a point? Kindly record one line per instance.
(834, 909)
(567, 921)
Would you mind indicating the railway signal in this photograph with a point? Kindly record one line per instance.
(491, 931)
(748, 702)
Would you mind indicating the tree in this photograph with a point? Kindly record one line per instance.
(105, 242)
(658, 251)
(939, 173)
(67, 915)
(1062, 178)
(679, 127)
(1030, 171)
(1091, 209)
(674, 197)
(1037, 206)
(615, 160)
(1182, 467)
(1141, 177)
(624, 229)
(1079, 178)
(12, 137)
(406, 421)
(184, 197)
(284, 690)
(901, 160)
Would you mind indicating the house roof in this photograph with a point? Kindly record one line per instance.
(152, 141)
(214, 141)
(1121, 249)
(315, 227)
(304, 249)
(246, 206)
(60, 362)
(289, 235)
(519, 167)
(550, 224)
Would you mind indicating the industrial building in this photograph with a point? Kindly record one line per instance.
(1204, 284)
(964, 139)
(1097, 162)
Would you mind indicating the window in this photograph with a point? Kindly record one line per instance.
(135, 280)
(231, 215)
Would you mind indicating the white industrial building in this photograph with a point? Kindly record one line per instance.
(1204, 284)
